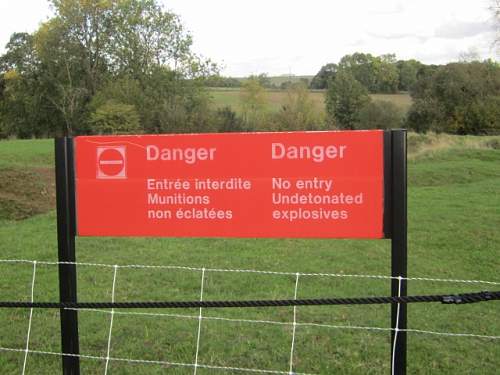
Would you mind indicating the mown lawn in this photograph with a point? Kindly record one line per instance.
(454, 217)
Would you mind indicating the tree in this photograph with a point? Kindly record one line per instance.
(20, 54)
(460, 98)
(344, 98)
(407, 71)
(81, 58)
(124, 36)
(23, 105)
(146, 36)
(298, 112)
(326, 74)
(386, 74)
(362, 67)
(87, 28)
(173, 104)
(63, 76)
(375, 73)
(253, 101)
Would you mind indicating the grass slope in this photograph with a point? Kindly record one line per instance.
(26, 178)
(454, 216)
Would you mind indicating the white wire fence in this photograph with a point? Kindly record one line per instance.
(200, 317)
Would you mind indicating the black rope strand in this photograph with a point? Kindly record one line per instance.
(443, 298)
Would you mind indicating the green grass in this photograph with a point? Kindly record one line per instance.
(26, 178)
(277, 98)
(26, 153)
(454, 216)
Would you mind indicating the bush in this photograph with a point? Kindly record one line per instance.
(227, 121)
(115, 118)
(380, 115)
(479, 118)
(425, 115)
(253, 99)
(459, 98)
(298, 112)
(493, 143)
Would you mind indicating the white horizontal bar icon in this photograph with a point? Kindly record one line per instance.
(108, 162)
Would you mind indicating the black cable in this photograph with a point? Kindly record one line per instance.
(443, 298)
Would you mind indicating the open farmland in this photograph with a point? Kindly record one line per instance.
(277, 98)
(454, 216)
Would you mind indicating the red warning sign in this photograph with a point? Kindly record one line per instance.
(301, 184)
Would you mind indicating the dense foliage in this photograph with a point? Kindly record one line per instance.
(344, 99)
(378, 74)
(459, 98)
(98, 61)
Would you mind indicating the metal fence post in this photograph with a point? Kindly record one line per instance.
(399, 254)
(66, 232)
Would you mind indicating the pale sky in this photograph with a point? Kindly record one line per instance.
(299, 36)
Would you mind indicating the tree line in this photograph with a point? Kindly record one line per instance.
(127, 66)
(458, 98)
(378, 74)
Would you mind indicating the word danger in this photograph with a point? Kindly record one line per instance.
(317, 153)
(189, 155)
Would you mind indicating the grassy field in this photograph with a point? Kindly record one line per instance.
(277, 98)
(454, 216)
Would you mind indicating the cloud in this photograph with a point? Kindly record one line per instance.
(459, 30)
(396, 36)
(357, 43)
(396, 9)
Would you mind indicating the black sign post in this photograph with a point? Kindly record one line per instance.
(399, 256)
(395, 228)
(66, 231)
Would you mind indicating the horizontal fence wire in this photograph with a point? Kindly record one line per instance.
(101, 306)
(462, 298)
(281, 323)
(268, 272)
(264, 272)
(154, 362)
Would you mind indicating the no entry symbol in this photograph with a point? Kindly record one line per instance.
(111, 162)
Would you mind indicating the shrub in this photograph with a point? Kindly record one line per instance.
(479, 118)
(380, 115)
(298, 112)
(115, 118)
(425, 115)
(460, 98)
(226, 121)
(253, 99)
